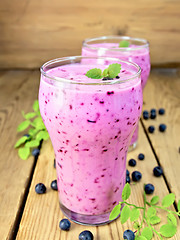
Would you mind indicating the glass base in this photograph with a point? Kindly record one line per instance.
(132, 146)
(93, 220)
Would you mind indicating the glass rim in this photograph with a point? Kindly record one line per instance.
(124, 49)
(72, 58)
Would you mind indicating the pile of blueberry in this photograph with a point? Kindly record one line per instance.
(152, 115)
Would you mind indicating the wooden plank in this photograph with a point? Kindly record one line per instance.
(33, 32)
(42, 214)
(163, 90)
(18, 91)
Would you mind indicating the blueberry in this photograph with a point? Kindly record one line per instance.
(141, 156)
(117, 77)
(40, 188)
(54, 163)
(136, 176)
(107, 78)
(132, 162)
(158, 171)
(153, 110)
(153, 115)
(129, 235)
(149, 188)
(127, 172)
(26, 135)
(128, 180)
(151, 129)
(162, 127)
(35, 152)
(54, 185)
(161, 111)
(86, 235)
(145, 115)
(65, 224)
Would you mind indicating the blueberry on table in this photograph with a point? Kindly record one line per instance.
(128, 180)
(132, 162)
(153, 110)
(129, 235)
(158, 171)
(40, 188)
(153, 115)
(162, 127)
(54, 185)
(136, 176)
(149, 188)
(65, 224)
(145, 115)
(141, 156)
(161, 111)
(151, 129)
(127, 172)
(35, 152)
(86, 235)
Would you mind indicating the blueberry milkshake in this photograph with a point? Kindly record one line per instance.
(137, 51)
(90, 123)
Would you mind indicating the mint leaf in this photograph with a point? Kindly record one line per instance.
(172, 219)
(178, 206)
(42, 135)
(154, 220)
(124, 43)
(151, 212)
(29, 115)
(94, 73)
(38, 123)
(136, 225)
(125, 213)
(22, 126)
(126, 191)
(134, 214)
(105, 72)
(147, 232)
(32, 143)
(154, 200)
(32, 131)
(36, 106)
(115, 212)
(140, 238)
(114, 70)
(168, 230)
(24, 153)
(168, 200)
(21, 141)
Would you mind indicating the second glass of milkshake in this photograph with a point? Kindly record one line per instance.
(137, 51)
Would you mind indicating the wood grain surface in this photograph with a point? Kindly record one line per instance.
(32, 32)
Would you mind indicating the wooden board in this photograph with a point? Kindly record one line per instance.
(14, 173)
(163, 90)
(33, 32)
(42, 214)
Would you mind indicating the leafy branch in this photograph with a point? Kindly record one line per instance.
(36, 132)
(149, 215)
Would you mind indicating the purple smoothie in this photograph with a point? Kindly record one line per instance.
(90, 123)
(138, 52)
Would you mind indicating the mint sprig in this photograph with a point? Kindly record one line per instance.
(124, 43)
(111, 72)
(149, 215)
(35, 132)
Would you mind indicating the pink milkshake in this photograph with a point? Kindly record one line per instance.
(90, 123)
(137, 52)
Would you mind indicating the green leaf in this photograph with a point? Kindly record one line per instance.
(154, 200)
(147, 232)
(178, 206)
(140, 238)
(114, 69)
(168, 200)
(38, 123)
(32, 131)
(136, 225)
(172, 219)
(24, 153)
(124, 43)
(134, 214)
(94, 73)
(125, 213)
(22, 126)
(32, 143)
(115, 212)
(105, 72)
(21, 141)
(36, 105)
(154, 220)
(168, 230)
(42, 135)
(151, 212)
(126, 191)
(30, 115)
